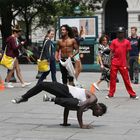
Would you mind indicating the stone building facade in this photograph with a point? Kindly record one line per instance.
(114, 13)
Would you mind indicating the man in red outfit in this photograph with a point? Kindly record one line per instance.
(119, 62)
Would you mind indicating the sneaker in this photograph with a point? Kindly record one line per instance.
(117, 80)
(108, 97)
(95, 85)
(25, 84)
(9, 85)
(134, 97)
(19, 100)
(46, 98)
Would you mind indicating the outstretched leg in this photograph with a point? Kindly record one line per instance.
(57, 89)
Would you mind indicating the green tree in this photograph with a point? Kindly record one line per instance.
(7, 14)
(46, 11)
(52, 10)
(28, 12)
(6, 19)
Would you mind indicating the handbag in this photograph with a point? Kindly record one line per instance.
(139, 59)
(43, 65)
(7, 61)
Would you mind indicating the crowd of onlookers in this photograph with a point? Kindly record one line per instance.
(120, 54)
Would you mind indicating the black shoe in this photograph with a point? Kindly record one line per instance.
(117, 80)
(46, 98)
(134, 97)
(135, 82)
(13, 79)
(67, 124)
(19, 100)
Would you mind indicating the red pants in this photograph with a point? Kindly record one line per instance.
(124, 73)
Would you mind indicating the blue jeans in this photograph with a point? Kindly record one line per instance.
(52, 70)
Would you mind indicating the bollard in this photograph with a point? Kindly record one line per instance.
(92, 89)
(2, 87)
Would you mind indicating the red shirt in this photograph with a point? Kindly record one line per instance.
(119, 50)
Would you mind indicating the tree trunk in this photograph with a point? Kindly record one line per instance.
(28, 32)
(6, 19)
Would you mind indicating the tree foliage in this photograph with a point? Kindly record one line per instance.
(46, 11)
(63, 8)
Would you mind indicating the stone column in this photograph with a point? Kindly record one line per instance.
(101, 23)
(133, 14)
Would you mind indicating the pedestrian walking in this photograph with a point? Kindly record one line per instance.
(78, 64)
(12, 50)
(65, 49)
(49, 54)
(104, 61)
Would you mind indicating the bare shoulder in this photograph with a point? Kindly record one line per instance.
(73, 39)
(59, 41)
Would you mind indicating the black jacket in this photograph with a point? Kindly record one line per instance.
(48, 51)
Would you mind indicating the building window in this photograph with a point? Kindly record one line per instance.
(138, 17)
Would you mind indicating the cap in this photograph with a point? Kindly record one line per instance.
(120, 29)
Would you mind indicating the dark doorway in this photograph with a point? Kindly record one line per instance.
(115, 15)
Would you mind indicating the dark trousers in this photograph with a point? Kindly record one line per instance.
(134, 69)
(61, 91)
(65, 75)
(52, 70)
(69, 103)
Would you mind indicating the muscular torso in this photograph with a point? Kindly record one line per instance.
(66, 46)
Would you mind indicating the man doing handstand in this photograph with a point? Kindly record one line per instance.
(69, 97)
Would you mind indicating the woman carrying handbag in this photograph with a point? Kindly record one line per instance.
(12, 50)
(48, 52)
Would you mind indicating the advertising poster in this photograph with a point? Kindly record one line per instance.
(87, 25)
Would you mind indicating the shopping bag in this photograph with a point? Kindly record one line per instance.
(43, 65)
(69, 66)
(7, 61)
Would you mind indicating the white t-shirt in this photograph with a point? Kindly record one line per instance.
(78, 93)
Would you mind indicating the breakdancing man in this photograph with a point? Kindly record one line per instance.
(72, 98)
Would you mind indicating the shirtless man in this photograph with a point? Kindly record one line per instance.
(66, 47)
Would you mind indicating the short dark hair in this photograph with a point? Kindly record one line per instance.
(134, 27)
(69, 29)
(104, 107)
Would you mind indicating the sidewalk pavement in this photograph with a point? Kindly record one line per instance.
(36, 120)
